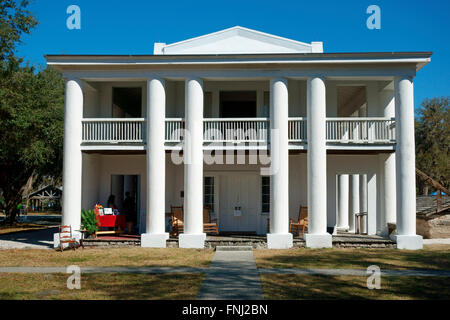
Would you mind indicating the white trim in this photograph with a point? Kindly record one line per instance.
(297, 61)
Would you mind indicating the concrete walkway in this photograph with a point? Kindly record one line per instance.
(232, 275)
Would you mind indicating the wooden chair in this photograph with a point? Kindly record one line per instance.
(209, 226)
(65, 236)
(301, 223)
(176, 221)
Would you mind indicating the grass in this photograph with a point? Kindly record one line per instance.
(109, 257)
(318, 287)
(100, 286)
(431, 257)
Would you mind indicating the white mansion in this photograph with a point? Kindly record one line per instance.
(252, 125)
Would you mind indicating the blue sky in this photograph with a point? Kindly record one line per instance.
(132, 26)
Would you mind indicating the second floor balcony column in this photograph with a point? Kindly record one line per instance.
(193, 236)
(317, 236)
(72, 158)
(279, 236)
(155, 235)
(405, 166)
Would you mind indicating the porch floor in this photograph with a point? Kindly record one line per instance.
(256, 241)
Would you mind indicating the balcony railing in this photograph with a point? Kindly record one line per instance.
(236, 130)
(297, 130)
(110, 130)
(360, 130)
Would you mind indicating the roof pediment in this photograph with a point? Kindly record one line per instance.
(237, 40)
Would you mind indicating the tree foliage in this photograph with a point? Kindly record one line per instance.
(433, 140)
(31, 127)
(15, 20)
(31, 112)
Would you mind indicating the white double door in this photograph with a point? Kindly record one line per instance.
(239, 190)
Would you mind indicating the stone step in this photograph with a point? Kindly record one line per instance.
(234, 248)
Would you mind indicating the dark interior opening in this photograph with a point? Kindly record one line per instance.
(127, 102)
(238, 104)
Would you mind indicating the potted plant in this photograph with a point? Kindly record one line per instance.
(89, 222)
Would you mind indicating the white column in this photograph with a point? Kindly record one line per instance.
(279, 236)
(72, 159)
(363, 197)
(193, 236)
(155, 235)
(317, 235)
(354, 201)
(405, 166)
(343, 199)
(390, 192)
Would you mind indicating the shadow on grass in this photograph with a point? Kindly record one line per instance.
(101, 286)
(346, 287)
(354, 258)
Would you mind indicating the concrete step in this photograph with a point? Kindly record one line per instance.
(234, 248)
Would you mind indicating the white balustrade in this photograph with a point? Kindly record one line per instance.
(110, 130)
(338, 130)
(297, 130)
(360, 130)
(235, 130)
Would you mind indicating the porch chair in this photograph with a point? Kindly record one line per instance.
(302, 222)
(66, 236)
(209, 226)
(176, 222)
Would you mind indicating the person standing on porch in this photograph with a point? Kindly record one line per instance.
(129, 210)
(111, 202)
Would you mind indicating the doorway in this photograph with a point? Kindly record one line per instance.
(120, 186)
(239, 203)
(127, 102)
(238, 104)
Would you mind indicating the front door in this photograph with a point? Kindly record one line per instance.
(239, 202)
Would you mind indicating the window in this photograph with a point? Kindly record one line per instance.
(208, 193)
(265, 194)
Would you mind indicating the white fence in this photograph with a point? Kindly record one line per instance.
(360, 130)
(235, 130)
(338, 130)
(297, 130)
(110, 130)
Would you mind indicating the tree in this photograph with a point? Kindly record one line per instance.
(31, 127)
(31, 112)
(433, 140)
(15, 20)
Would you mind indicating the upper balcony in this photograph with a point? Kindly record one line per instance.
(247, 133)
(236, 115)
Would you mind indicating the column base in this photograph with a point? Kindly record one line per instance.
(196, 241)
(76, 235)
(279, 240)
(154, 240)
(318, 240)
(409, 242)
(346, 228)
